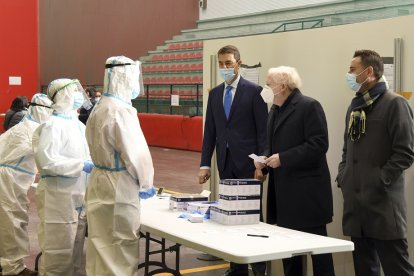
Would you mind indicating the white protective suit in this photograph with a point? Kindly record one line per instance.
(123, 168)
(17, 173)
(60, 151)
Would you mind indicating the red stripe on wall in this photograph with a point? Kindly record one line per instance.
(18, 50)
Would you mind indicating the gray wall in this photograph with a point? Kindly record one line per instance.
(77, 36)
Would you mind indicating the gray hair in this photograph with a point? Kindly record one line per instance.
(285, 75)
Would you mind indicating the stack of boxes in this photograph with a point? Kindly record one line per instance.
(239, 202)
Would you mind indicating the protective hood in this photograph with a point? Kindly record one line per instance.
(123, 78)
(65, 95)
(40, 108)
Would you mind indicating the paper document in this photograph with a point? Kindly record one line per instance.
(257, 158)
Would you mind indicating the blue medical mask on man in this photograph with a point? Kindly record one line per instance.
(351, 79)
(227, 73)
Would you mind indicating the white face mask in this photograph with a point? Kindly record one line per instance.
(268, 95)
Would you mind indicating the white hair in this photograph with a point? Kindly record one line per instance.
(285, 75)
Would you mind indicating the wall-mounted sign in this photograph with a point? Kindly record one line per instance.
(13, 80)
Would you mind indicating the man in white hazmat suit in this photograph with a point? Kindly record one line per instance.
(62, 157)
(123, 169)
(17, 173)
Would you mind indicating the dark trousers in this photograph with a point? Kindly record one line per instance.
(322, 264)
(370, 254)
(231, 172)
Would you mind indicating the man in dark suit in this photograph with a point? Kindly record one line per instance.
(299, 193)
(378, 148)
(235, 126)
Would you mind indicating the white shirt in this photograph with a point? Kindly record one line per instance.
(233, 90)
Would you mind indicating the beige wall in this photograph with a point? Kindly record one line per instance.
(322, 57)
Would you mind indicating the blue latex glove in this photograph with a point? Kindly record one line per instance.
(147, 193)
(87, 166)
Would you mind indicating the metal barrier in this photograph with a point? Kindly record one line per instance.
(189, 104)
(306, 24)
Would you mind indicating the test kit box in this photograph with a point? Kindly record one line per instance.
(197, 218)
(180, 202)
(234, 217)
(201, 207)
(239, 202)
(239, 187)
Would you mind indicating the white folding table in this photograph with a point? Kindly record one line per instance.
(228, 242)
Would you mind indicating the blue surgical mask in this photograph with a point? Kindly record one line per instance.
(135, 93)
(227, 73)
(352, 82)
(78, 100)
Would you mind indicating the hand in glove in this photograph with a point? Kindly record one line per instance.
(147, 193)
(87, 166)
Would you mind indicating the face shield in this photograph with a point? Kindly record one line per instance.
(40, 108)
(140, 90)
(71, 94)
(123, 78)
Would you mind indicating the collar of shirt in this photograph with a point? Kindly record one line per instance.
(234, 85)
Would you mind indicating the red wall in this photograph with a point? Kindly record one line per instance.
(18, 50)
(172, 131)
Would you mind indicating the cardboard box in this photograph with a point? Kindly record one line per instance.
(197, 218)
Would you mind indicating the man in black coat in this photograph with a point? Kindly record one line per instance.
(378, 148)
(299, 193)
(235, 127)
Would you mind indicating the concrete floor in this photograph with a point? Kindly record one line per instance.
(175, 170)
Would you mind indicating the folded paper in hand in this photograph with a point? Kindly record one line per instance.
(257, 158)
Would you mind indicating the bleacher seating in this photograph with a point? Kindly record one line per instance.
(175, 70)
